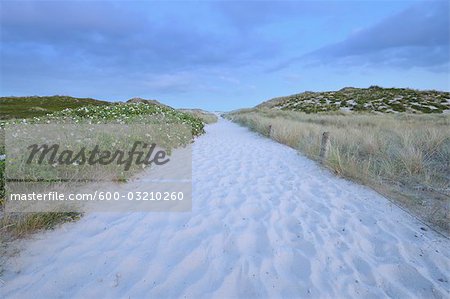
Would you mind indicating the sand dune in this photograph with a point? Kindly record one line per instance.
(266, 222)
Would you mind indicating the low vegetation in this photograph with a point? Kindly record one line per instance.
(126, 113)
(404, 156)
(19, 224)
(31, 222)
(205, 116)
(373, 99)
(28, 107)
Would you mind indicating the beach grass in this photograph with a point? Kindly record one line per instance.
(406, 157)
(19, 224)
(205, 116)
(34, 106)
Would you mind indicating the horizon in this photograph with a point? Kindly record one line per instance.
(216, 110)
(220, 56)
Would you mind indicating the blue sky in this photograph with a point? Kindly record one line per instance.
(220, 55)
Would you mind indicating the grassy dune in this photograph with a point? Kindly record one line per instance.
(19, 224)
(404, 156)
(27, 107)
(372, 99)
(205, 116)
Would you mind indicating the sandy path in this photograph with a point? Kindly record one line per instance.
(266, 222)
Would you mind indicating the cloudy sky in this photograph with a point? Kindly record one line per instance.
(220, 55)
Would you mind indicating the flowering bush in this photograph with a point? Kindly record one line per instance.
(132, 113)
(120, 113)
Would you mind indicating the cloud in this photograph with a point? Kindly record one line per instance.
(416, 37)
(185, 51)
(170, 83)
(137, 38)
(247, 15)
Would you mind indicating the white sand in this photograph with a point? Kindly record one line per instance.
(266, 222)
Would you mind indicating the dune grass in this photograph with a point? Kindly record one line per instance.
(374, 98)
(27, 107)
(14, 225)
(21, 224)
(404, 156)
(205, 116)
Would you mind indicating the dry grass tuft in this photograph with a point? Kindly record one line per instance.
(16, 225)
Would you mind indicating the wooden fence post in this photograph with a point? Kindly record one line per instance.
(324, 146)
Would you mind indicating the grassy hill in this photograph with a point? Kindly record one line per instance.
(150, 102)
(27, 107)
(374, 98)
(58, 109)
(205, 116)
